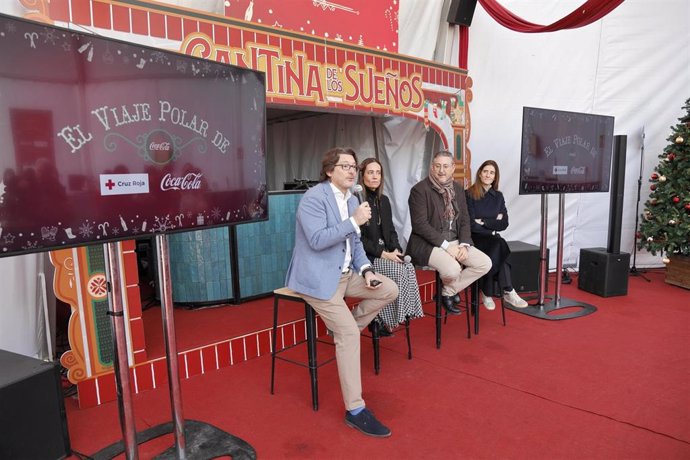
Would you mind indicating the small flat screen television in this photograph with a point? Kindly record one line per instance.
(565, 152)
(104, 140)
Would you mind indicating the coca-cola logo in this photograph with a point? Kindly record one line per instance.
(190, 181)
(160, 147)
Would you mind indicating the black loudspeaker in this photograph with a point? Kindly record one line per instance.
(461, 11)
(524, 266)
(33, 424)
(603, 273)
(617, 190)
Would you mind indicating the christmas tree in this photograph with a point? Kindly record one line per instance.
(665, 226)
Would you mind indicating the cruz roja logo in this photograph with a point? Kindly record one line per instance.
(124, 184)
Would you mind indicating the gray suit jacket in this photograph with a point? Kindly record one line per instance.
(426, 207)
(319, 252)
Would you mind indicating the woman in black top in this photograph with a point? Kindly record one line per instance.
(381, 244)
(488, 216)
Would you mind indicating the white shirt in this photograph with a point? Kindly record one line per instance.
(341, 199)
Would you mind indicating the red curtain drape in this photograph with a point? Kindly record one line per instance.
(587, 13)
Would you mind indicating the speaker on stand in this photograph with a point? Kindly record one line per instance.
(605, 272)
(633, 270)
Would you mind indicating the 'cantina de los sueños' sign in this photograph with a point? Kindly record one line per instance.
(298, 77)
(120, 140)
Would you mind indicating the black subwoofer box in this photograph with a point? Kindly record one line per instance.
(602, 273)
(33, 424)
(524, 266)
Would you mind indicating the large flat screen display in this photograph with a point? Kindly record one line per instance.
(565, 152)
(103, 140)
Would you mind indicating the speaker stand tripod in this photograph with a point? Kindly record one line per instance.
(633, 270)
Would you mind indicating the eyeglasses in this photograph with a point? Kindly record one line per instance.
(347, 167)
(438, 166)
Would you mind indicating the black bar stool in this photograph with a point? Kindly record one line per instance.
(285, 293)
(288, 294)
(376, 336)
(475, 306)
(440, 312)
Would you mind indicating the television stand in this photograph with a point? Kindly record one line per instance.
(556, 308)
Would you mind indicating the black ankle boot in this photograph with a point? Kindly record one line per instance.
(380, 329)
(448, 303)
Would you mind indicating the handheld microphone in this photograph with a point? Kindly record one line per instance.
(358, 191)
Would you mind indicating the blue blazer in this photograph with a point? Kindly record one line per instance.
(319, 252)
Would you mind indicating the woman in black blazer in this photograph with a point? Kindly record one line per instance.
(381, 244)
(488, 216)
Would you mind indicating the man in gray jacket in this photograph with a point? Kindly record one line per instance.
(329, 263)
(441, 236)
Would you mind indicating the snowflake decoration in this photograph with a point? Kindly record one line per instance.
(162, 224)
(10, 27)
(116, 231)
(206, 67)
(181, 66)
(159, 57)
(215, 213)
(31, 245)
(86, 230)
(49, 36)
(189, 214)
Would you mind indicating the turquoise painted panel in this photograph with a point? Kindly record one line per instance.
(200, 268)
(264, 249)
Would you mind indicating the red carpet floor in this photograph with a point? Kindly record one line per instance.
(613, 384)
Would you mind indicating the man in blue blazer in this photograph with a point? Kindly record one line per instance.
(329, 263)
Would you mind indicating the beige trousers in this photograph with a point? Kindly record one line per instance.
(347, 325)
(454, 276)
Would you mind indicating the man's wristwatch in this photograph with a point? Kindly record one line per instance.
(368, 269)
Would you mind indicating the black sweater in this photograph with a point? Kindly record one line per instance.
(373, 231)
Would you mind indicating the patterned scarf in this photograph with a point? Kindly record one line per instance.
(447, 191)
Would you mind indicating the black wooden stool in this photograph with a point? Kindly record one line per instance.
(285, 293)
(376, 337)
(475, 306)
(439, 313)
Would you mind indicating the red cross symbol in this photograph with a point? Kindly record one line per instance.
(110, 184)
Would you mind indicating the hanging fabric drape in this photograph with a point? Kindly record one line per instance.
(589, 12)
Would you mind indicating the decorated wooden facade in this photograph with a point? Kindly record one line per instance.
(303, 70)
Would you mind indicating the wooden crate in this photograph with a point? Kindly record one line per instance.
(678, 271)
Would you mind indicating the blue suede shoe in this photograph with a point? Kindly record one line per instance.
(367, 424)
